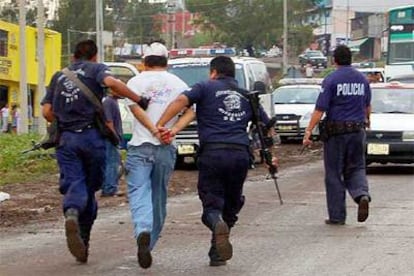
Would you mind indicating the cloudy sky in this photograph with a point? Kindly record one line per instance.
(371, 5)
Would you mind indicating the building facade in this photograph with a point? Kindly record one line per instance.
(366, 32)
(10, 64)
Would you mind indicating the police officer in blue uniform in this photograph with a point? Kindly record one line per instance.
(223, 112)
(81, 149)
(346, 99)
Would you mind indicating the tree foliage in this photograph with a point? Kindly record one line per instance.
(130, 21)
(247, 22)
(10, 13)
(134, 21)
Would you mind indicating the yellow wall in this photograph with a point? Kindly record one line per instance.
(10, 65)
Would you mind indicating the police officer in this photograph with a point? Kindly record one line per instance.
(81, 150)
(346, 99)
(222, 112)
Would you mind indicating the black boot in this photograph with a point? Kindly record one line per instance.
(73, 238)
(85, 233)
(144, 251)
(221, 234)
(215, 259)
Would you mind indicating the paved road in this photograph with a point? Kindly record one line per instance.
(270, 239)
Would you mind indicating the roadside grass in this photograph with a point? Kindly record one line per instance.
(17, 167)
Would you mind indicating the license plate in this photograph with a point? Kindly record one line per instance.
(185, 149)
(285, 127)
(378, 149)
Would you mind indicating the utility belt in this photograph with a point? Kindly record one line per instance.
(333, 128)
(230, 146)
(82, 129)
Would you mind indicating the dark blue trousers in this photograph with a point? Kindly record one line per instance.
(81, 159)
(222, 173)
(344, 160)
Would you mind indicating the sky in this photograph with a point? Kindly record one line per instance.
(371, 5)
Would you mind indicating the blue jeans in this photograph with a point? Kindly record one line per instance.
(344, 161)
(148, 170)
(81, 159)
(113, 161)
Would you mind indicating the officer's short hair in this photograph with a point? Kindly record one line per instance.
(223, 65)
(342, 55)
(85, 50)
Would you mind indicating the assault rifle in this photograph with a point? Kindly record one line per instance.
(259, 88)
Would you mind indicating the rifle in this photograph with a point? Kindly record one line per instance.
(259, 87)
(35, 146)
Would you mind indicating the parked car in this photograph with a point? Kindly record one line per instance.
(294, 104)
(390, 139)
(195, 69)
(313, 57)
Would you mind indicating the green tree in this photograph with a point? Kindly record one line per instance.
(243, 22)
(10, 13)
(76, 20)
(135, 21)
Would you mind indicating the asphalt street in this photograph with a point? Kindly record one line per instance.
(269, 239)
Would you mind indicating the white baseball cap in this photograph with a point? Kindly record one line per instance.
(156, 49)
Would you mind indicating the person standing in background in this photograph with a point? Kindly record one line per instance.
(5, 118)
(309, 70)
(15, 114)
(113, 158)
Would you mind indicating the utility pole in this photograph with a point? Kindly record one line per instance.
(68, 46)
(99, 30)
(347, 23)
(285, 38)
(41, 62)
(23, 68)
(171, 21)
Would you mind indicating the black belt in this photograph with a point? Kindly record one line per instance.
(84, 128)
(214, 146)
(335, 128)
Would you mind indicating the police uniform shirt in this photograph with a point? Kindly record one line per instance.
(222, 113)
(72, 108)
(344, 95)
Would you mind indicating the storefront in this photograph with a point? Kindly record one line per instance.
(10, 65)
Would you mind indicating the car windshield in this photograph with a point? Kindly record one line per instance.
(392, 100)
(122, 73)
(295, 95)
(196, 72)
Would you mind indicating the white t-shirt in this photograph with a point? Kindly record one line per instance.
(162, 87)
(4, 112)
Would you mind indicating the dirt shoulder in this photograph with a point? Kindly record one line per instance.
(40, 201)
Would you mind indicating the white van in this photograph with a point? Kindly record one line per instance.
(196, 69)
